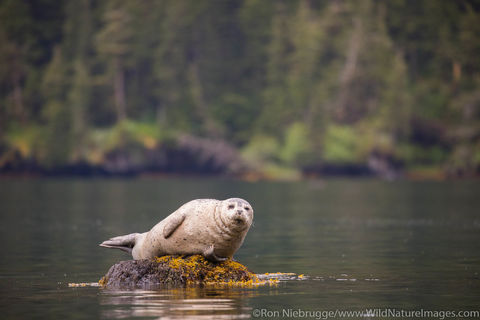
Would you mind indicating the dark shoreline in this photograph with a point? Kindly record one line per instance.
(329, 172)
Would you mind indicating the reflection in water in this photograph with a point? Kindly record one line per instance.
(227, 303)
(180, 303)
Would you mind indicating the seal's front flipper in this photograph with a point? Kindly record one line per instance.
(124, 243)
(172, 223)
(210, 255)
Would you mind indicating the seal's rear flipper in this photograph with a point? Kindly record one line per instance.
(124, 243)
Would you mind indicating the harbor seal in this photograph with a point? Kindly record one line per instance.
(212, 228)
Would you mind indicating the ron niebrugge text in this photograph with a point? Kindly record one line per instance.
(371, 313)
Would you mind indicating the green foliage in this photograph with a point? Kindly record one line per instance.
(261, 149)
(415, 155)
(127, 133)
(297, 149)
(340, 145)
(289, 83)
(58, 141)
(24, 140)
(279, 172)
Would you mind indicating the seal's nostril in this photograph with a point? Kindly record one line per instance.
(239, 212)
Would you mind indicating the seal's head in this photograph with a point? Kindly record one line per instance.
(237, 213)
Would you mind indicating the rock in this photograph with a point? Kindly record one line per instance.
(178, 271)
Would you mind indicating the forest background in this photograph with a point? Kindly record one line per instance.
(251, 88)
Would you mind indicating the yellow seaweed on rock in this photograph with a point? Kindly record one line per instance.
(102, 281)
(84, 284)
(183, 271)
(197, 270)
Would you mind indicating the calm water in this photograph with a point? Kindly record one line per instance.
(360, 244)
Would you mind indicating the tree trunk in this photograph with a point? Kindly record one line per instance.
(119, 90)
(348, 71)
(19, 109)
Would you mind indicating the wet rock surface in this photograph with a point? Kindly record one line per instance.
(178, 271)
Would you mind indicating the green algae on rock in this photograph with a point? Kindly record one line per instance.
(180, 271)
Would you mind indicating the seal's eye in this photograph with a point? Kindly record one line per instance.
(247, 208)
(231, 206)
